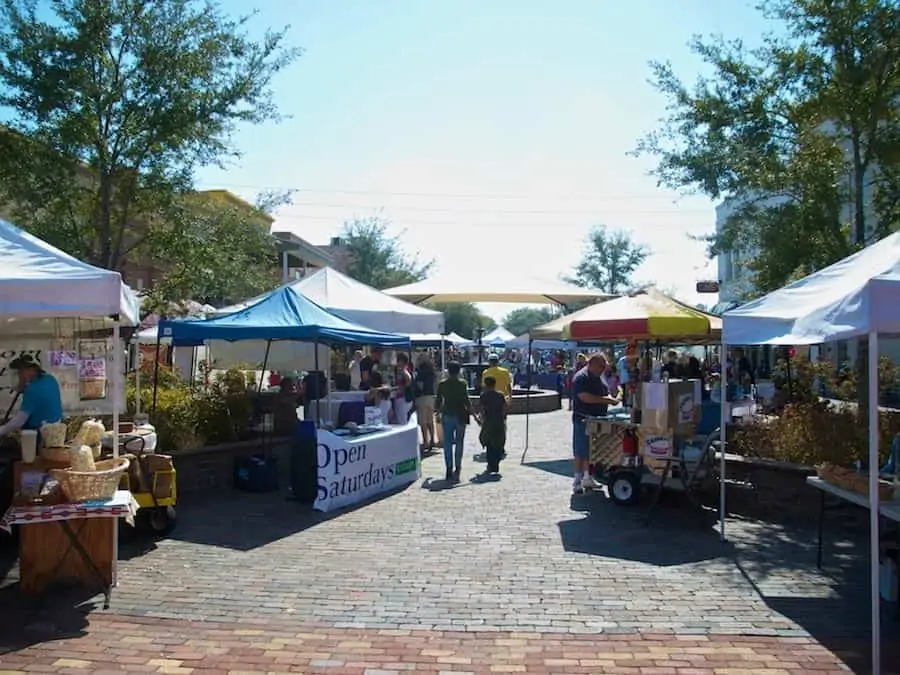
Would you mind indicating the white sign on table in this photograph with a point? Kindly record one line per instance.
(354, 468)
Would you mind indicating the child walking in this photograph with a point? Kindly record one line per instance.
(493, 425)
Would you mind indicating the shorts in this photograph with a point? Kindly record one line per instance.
(581, 442)
(425, 410)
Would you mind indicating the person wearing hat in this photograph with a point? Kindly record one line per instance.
(502, 377)
(41, 397)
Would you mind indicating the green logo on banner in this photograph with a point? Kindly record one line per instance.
(406, 466)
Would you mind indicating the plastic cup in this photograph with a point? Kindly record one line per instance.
(28, 440)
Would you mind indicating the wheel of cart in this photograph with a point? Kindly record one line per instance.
(624, 485)
(154, 487)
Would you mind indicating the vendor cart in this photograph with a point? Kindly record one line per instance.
(151, 478)
(630, 459)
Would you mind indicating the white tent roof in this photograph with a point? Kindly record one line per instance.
(499, 334)
(38, 281)
(473, 287)
(434, 338)
(855, 296)
(358, 303)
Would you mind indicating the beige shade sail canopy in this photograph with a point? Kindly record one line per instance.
(645, 315)
(512, 288)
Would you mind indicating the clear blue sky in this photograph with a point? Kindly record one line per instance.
(492, 133)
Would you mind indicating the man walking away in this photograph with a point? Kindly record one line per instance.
(453, 404)
(591, 400)
(493, 425)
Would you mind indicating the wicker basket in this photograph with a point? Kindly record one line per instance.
(60, 455)
(85, 486)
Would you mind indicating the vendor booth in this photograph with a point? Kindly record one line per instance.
(360, 304)
(65, 316)
(856, 297)
(359, 454)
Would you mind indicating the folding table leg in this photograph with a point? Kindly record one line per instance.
(75, 545)
(821, 529)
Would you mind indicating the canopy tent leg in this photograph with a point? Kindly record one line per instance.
(137, 377)
(527, 400)
(265, 364)
(723, 420)
(874, 506)
(156, 377)
(316, 367)
(117, 390)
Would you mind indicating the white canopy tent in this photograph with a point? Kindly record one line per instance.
(358, 303)
(498, 336)
(38, 281)
(506, 288)
(40, 284)
(857, 296)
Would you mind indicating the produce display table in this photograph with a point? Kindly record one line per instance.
(352, 468)
(69, 541)
(888, 509)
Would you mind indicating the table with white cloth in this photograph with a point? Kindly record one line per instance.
(70, 541)
(355, 467)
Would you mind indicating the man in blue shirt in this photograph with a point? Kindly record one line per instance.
(591, 399)
(41, 398)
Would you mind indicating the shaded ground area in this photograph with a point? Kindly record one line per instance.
(518, 555)
(114, 644)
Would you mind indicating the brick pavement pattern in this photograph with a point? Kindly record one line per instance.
(508, 576)
(117, 644)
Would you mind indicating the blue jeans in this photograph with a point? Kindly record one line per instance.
(454, 437)
(581, 444)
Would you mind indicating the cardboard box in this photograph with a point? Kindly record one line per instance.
(670, 405)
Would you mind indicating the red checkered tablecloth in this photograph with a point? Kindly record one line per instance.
(122, 505)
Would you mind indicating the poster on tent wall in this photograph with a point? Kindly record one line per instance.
(83, 368)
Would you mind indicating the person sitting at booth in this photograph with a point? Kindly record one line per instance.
(41, 397)
(369, 365)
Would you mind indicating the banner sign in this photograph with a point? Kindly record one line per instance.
(82, 368)
(355, 468)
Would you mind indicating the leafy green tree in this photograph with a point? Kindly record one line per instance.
(206, 241)
(376, 258)
(111, 107)
(609, 261)
(521, 320)
(802, 134)
(463, 318)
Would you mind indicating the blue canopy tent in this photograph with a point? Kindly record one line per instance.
(283, 314)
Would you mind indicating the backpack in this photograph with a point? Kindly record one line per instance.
(409, 388)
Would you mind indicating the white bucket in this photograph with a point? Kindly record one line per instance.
(28, 440)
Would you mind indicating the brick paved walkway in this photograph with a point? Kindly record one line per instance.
(114, 644)
(477, 563)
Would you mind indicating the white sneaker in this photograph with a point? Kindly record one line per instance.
(588, 483)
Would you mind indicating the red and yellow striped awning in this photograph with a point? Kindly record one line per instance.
(647, 315)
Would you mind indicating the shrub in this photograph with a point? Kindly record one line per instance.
(812, 433)
(188, 418)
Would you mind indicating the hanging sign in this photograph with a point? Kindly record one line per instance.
(82, 368)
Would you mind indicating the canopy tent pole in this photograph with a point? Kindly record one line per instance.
(156, 375)
(443, 356)
(723, 420)
(527, 400)
(265, 363)
(117, 392)
(316, 367)
(874, 505)
(137, 377)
